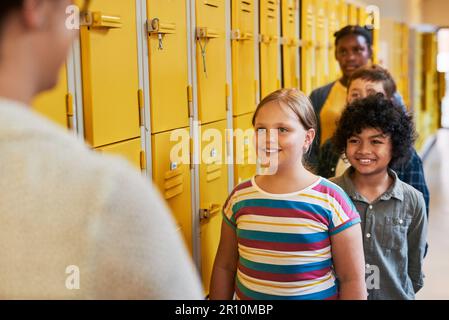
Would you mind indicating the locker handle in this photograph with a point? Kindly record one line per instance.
(264, 38)
(267, 39)
(206, 33)
(100, 20)
(241, 36)
(207, 213)
(155, 26)
(290, 42)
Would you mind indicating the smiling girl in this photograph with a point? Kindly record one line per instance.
(289, 234)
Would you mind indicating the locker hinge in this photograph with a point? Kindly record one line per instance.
(140, 104)
(191, 152)
(69, 110)
(228, 94)
(256, 91)
(143, 160)
(190, 100)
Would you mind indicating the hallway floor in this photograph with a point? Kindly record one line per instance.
(436, 264)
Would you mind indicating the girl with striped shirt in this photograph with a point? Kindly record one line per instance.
(288, 234)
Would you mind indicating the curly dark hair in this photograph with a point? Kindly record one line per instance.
(354, 30)
(377, 112)
(8, 5)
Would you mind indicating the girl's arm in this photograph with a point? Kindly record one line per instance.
(225, 265)
(349, 263)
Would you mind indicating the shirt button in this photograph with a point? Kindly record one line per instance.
(368, 235)
(371, 207)
(401, 221)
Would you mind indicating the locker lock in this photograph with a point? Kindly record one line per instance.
(240, 36)
(207, 213)
(203, 35)
(160, 29)
(100, 20)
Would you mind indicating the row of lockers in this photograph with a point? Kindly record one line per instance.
(141, 70)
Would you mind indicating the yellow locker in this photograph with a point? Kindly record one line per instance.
(308, 61)
(130, 150)
(418, 97)
(404, 62)
(110, 72)
(57, 104)
(244, 149)
(211, 59)
(213, 193)
(362, 16)
(376, 35)
(334, 25)
(269, 46)
(290, 44)
(172, 176)
(322, 68)
(168, 58)
(343, 12)
(243, 64)
(430, 88)
(352, 14)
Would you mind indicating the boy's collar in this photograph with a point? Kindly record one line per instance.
(395, 190)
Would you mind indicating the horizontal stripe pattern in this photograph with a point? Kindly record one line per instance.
(284, 240)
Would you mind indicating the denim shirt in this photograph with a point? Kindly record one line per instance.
(394, 238)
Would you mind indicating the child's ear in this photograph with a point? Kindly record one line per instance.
(310, 135)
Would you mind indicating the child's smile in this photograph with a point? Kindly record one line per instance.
(369, 152)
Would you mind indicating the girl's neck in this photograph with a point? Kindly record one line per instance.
(286, 180)
(372, 186)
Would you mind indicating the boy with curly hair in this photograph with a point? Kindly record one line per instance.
(376, 134)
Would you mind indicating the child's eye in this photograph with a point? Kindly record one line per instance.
(352, 141)
(377, 142)
(282, 130)
(261, 130)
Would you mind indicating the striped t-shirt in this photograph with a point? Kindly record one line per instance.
(284, 239)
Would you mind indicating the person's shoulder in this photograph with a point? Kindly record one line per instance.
(338, 181)
(410, 194)
(322, 90)
(242, 187)
(333, 188)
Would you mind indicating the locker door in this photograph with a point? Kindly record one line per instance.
(308, 61)
(213, 193)
(352, 14)
(363, 16)
(343, 12)
(57, 103)
(334, 26)
(290, 44)
(322, 71)
(244, 149)
(269, 46)
(404, 60)
(110, 72)
(243, 65)
(130, 150)
(167, 42)
(211, 59)
(418, 92)
(172, 177)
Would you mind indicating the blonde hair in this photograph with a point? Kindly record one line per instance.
(297, 101)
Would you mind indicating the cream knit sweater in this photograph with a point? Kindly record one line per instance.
(63, 205)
